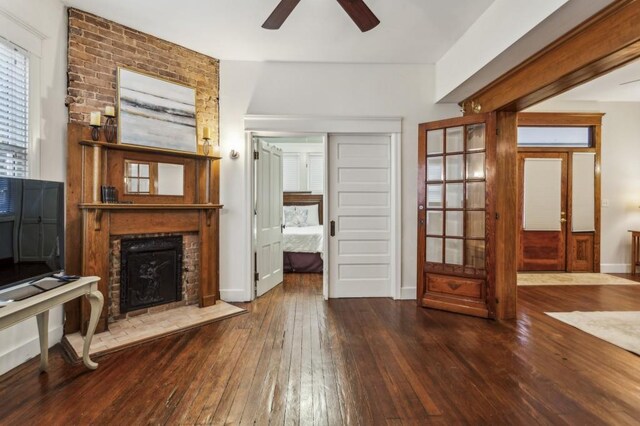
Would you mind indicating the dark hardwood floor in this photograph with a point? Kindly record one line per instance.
(296, 359)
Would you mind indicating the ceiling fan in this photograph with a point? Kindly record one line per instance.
(356, 9)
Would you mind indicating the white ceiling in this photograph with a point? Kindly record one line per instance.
(609, 87)
(411, 31)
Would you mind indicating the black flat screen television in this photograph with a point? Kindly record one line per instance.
(31, 230)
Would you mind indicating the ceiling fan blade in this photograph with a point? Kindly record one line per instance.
(280, 14)
(360, 13)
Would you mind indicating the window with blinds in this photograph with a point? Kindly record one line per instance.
(14, 110)
(291, 172)
(316, 172)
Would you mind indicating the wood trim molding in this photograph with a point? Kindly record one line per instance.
(604, 42)
(559, 119)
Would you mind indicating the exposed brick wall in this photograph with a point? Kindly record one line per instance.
(190, 270)
(97, 47)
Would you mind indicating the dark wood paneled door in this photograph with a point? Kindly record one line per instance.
(456, 215)
(542, 211)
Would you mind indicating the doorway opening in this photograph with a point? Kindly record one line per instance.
(288, 199)
(340, 193)
(559, 192)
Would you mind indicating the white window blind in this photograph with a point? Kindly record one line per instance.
(316, 173)
(542, 194)
(583, 216)
(290, 172)
(14, 110)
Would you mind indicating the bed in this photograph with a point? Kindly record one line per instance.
(303, 235)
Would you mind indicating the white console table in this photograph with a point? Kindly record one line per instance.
(39, 306)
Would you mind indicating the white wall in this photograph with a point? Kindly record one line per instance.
(329, 90)
(39, 26)
(620, 175)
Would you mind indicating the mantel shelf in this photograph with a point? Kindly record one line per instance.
(138, 206)
(147, 150)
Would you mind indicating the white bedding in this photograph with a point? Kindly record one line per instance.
(304, 239)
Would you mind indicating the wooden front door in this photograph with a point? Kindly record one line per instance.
(456, 215)
(542, 211)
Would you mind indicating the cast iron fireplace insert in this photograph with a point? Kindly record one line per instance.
(150, 272)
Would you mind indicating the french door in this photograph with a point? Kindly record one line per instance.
(456, 215)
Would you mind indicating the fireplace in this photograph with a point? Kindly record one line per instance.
(151, 272)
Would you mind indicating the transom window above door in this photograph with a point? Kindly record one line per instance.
(555, 136)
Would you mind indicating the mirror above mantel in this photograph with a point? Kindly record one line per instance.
(153, 178)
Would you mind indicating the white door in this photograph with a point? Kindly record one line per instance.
(360, 216)
(268, 217)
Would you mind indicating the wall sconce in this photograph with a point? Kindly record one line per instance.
(234, 155)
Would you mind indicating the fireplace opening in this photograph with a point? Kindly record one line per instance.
(151, 272)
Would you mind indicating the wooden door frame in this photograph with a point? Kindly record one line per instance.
(594, 121)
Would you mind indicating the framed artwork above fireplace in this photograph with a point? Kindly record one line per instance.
(156, 113)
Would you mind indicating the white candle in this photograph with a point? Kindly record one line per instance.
(206, 133)
(110, 111)
(95, 118)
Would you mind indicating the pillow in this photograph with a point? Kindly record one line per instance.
(312, 215)
(295, 216)
(289, 215)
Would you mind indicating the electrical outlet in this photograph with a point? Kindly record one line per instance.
(605, 202)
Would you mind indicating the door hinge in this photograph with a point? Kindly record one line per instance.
(497, 216)
(256, 155)
(497, 132)
(256, 277)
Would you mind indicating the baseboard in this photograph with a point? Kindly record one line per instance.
(18, 355)
(408, 293)
(233, 295)
(615, 268)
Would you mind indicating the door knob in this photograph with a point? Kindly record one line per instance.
(563, 218)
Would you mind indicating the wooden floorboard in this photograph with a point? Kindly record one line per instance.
(296, 359)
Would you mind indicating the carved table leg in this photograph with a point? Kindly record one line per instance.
(96, 299)
(43, 331)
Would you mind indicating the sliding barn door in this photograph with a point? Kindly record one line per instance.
(269, 222)
(456, 215)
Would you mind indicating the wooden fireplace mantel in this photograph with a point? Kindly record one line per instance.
(100, 207)
(91, 225)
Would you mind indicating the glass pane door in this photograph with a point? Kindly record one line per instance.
(455, 173)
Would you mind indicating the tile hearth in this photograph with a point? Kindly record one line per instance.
(138, 329)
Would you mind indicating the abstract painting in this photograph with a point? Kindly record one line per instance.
(156, 113)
